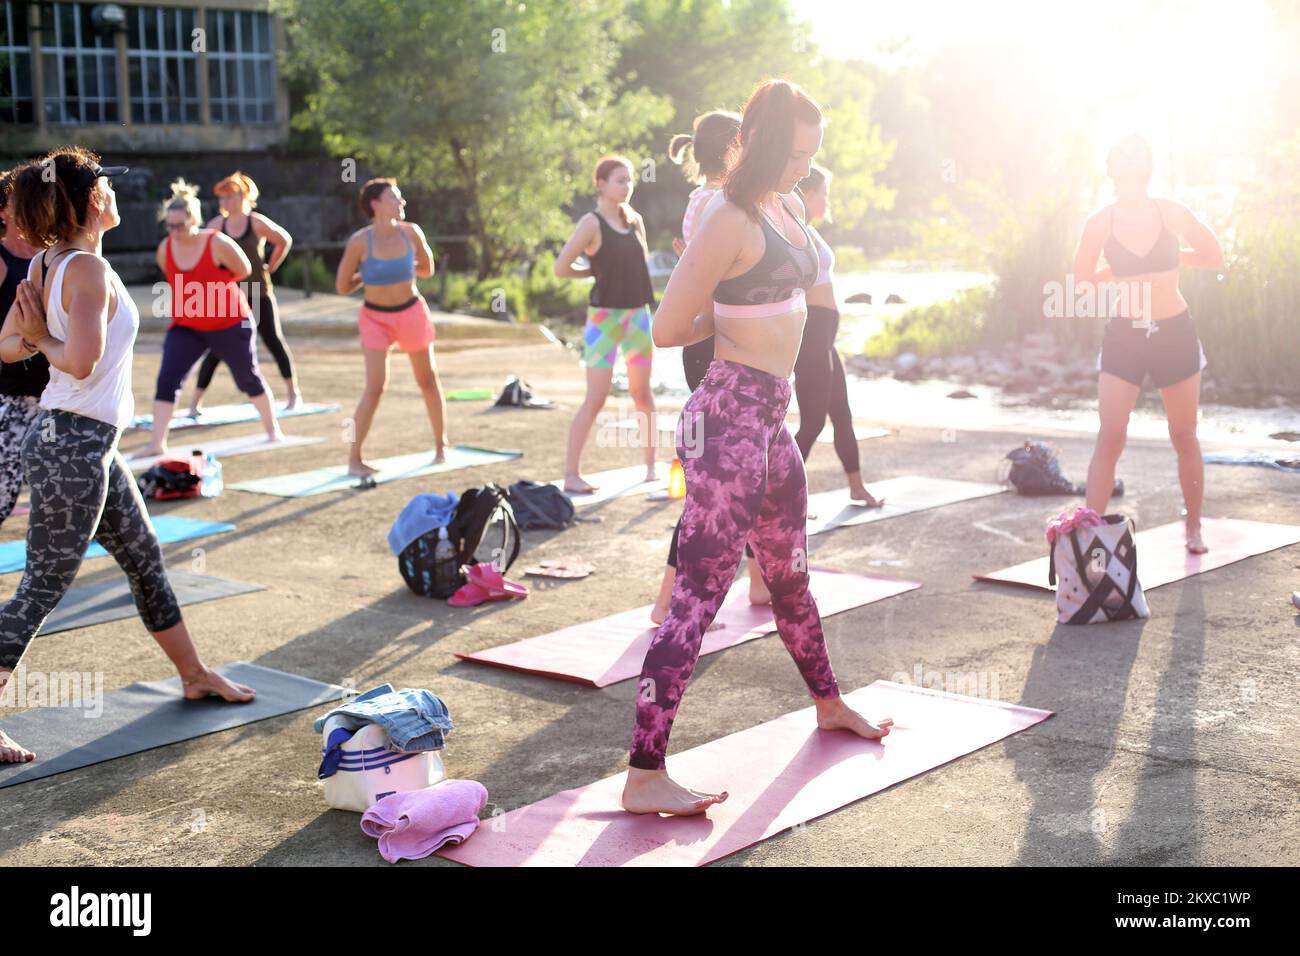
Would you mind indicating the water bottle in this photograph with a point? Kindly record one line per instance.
(196, 465)
(213, 484)
(446, 570)
(676, 479)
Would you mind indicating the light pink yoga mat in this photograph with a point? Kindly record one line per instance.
(1163, 558)
(606, 651)
(778, 775)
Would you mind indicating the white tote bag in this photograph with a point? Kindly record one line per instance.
(1097, 567)
(369, 770)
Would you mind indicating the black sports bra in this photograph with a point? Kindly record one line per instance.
(783, 268)
(1162, 257)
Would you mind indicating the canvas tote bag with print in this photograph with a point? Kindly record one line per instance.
(1097, 569)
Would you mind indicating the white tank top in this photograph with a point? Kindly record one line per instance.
(699, 198)
(105, 394)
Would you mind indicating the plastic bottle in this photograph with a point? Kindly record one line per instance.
(677, 479)
(213, 484)
(446, 571)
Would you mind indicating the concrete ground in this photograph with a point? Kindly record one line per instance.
(1173, 741)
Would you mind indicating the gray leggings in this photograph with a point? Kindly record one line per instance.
(81, 488)
(17, 412)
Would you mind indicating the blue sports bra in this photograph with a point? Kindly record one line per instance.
(387, 271)
(783, 273)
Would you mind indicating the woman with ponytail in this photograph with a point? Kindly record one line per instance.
(73, 309)
(210, 313)
(618, 314)
(753, 257)
(253, 231)
(819, 381)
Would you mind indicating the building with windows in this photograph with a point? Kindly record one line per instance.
(153, 76)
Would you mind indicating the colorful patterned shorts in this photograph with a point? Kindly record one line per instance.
(609, 329)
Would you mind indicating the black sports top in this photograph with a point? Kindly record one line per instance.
(27, 376)
(619, 265)
(1162, 257)
(783, 268)
(252, 243)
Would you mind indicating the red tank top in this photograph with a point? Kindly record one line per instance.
(206, 297)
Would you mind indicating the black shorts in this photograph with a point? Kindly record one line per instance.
(1168, 351)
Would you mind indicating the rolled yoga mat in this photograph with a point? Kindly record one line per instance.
(778, 775)
(304, 484)
(139, 717)
(231, 415)
(169, 528)
(1163, 558)
(605, 651)
(902, 496)
(224, 448)
(89, 604)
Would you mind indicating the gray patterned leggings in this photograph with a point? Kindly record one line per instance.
(81, 489)
(17, 412)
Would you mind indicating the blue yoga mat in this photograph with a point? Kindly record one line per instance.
(336, 478)
(232, 414)
(169, 528)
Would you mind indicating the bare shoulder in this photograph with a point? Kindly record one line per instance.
(413, 228)
(214, 223)
(1173, 211)
(358, 237)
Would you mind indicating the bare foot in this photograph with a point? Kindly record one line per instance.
(653, 791)
(574, 485)
(275, 436)
(866, 499)
(440, 457)
(1195, 544)
(211, 683)
(13, 752)
(651, 474)
(295, 398)
(149, 452)
(1295, 599)
(195, 411)
(361, 470)
(834, 714)
(758, 592)
(659, 614)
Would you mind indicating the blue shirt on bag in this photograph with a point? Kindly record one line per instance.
(414, 720)
(422, 514)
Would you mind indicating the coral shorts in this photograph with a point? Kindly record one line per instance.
(409, 327)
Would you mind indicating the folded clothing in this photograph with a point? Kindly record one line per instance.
(410, 826)
(414, 719)
(422, 514)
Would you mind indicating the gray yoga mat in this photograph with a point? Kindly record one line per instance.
(147, 715)
(98, 603)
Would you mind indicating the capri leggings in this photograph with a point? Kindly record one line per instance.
(17, 412)
(81, 489)
(184, 346)
(747, 477)
(822, 390)
(272, 335)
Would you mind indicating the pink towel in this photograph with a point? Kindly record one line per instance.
(412, 825)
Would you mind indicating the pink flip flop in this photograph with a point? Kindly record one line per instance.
(469, 595)
(488, 578)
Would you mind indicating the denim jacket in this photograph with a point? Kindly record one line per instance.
(413, 719)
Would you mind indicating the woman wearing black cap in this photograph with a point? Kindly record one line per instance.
(73, 309)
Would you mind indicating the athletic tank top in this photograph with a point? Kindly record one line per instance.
(387, 271)
(1163, 257)
(695, 204)
(622, 276)
(206, 298)
(27, 377)
(825, 258)
(105, 394)
(774, 278)
(252, 244)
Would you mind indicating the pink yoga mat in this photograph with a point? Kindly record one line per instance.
(1162, 556)
(779, 775)
(611, 649)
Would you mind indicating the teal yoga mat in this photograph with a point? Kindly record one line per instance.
(169, 528)
(232, 414)
(140, 716)
(336, 478)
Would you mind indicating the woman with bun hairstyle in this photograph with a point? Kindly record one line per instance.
(73, 309)
(253, 231)
(386, 257)
(819, 381)
(753, 256)
(210, 313)
(612, 237)
(704, 157)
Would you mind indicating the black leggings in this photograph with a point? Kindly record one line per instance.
(82, 490)
(268, 327)
(696, 359)
(821, 388)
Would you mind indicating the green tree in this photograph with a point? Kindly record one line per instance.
(507, 103)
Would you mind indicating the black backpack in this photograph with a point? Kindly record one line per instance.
(1035, 471)
(429, 576)
(541, 507)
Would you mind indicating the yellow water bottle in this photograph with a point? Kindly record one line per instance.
(677, 479)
